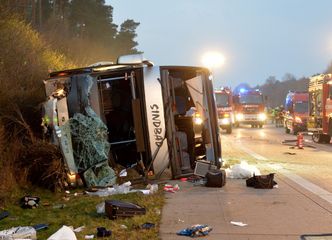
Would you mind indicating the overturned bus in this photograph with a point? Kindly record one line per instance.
(132, 113)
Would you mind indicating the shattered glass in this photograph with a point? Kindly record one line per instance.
(100, 175)
(89, 136)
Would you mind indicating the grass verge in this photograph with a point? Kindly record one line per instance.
(80, 210)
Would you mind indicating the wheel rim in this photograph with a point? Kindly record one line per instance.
(315, 137)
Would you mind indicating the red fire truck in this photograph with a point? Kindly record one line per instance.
(224, 103)
(296, 112)
(249, 108)
(320, 108)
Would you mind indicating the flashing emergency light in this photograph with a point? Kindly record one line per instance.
(243, 90)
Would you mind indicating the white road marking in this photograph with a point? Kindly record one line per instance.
(252, 153)
(320, 192)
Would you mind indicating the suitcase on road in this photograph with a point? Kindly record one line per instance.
(215, 178)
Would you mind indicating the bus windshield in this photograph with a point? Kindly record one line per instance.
(222, 100)
(251, 99)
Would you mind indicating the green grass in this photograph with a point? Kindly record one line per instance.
(81, 211)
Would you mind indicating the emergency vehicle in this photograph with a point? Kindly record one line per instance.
(224, 103)
(320, 108)
(296, 112)
(249, 108)
(144, 109)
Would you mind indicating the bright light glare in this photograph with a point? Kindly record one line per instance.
(213, 60)
(262, 117)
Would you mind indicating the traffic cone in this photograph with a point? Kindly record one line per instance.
(299, 142)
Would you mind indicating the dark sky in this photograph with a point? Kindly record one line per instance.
(259, 38)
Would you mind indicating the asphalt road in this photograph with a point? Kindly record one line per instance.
(301, 204)
(310, 167)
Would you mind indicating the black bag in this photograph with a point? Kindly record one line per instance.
(261, 181)
(115, 209)
(215, 178)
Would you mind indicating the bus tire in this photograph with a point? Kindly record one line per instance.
(327, 139)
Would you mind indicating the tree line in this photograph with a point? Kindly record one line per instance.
(82, 29)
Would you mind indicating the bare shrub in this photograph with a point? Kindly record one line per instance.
(25, 60)
(44, 166)
(10, 151)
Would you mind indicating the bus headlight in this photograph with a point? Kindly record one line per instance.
(225, 121)
(239, 117)
(262, 117)
(197, 119)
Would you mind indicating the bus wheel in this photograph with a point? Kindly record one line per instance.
(318, 138)
(327, 139)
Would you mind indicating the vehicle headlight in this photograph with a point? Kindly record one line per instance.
(226, 115)
(262, 116)
(225, 121)
(239, 116)
(298, 120)
(198, 121)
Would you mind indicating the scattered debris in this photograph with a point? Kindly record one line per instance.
(29, 202)
(101, 208)
(59, 206)
(4, 214)
(194, 178)
(240, 224)
(157, 211)
(19, 233)
(242, 170)
(102, 232)
(89, 236)
(290, 153)
(64, 233)
(171, 188)
(147, 225)
(153, 188)
(123, 173)
(79, 229)
(197, 230)
(122, 189)
(40, 226)
(122, 226)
